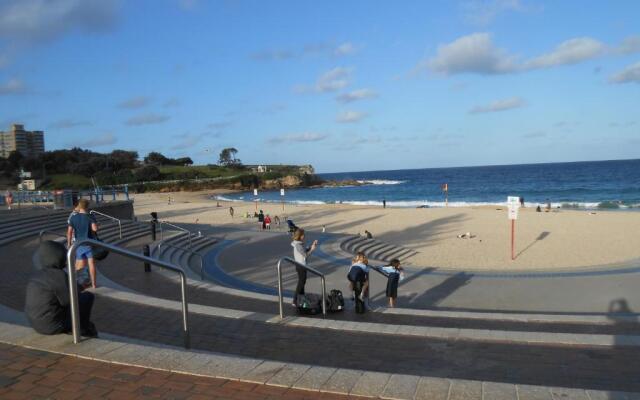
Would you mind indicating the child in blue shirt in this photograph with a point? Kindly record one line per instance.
(393, 271)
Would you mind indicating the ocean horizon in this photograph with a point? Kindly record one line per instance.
(613, 184)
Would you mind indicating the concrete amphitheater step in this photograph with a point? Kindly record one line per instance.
(355, 344)
(376, 249)
(120, 350)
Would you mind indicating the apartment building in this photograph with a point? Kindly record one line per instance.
(29, 143)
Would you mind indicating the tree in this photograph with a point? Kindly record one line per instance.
(228, 157)
(183, 161)
(155, 158)
(147, 173)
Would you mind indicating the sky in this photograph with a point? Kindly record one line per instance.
(341, 85)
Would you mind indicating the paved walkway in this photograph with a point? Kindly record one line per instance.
(34, 374)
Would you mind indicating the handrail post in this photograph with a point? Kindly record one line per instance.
(185, 311)
(324, 297)
(73, 293)
(280, 289)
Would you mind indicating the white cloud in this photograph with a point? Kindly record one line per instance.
(13, 86)
(571, 51)
(69, 123)
(350, 116)
(474, 53)
(534, 135)
(135, 102)
(344, 49)
(629, 45)
(105, 139)
(483, 12)
(628, 75)
(44, 20)
(499, 105)
(298, 137)
(356, 95)
(147, 119)
(330, 81)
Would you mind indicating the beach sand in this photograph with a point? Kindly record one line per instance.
(555, 240)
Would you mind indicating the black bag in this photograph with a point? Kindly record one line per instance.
(309, 304)
(99, 253)
(335, 301)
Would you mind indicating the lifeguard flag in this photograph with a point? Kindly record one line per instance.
(445, 187)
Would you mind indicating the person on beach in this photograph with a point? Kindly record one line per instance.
(276, 220)
(300, 254)
(368, 234)
(261, 220)
(231, 211)
(548, 206)
(359, 273)
(521, 201)
(384, 203)
(393, 271)
(83, 226)
(267, 222)
(47, 303)
(9, 199)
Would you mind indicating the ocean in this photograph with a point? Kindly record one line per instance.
(588, 185)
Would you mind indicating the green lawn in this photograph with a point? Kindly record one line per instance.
(200, 171)
(68, 181)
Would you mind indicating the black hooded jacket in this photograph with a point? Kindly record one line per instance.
(47, 302)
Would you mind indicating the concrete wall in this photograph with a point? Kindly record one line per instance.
(120, 209)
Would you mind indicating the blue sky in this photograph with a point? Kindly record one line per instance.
(344, 86)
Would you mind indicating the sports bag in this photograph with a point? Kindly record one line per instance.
(335, 301)
(309, 304)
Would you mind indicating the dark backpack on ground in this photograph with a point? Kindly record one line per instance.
(335, 301)
(309, 304)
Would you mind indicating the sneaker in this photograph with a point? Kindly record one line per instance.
(361, 297)
(90, 331)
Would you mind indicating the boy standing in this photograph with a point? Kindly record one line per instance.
(83, 226)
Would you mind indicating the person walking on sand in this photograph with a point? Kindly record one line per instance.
(394, 274)
(300, 254)
(9, 199)
(267, 222)
(83, 226)
(384, 203)
(231, 212)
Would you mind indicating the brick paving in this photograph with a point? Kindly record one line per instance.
(34, 374)
(605, 369)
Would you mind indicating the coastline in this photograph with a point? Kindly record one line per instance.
(544, 241)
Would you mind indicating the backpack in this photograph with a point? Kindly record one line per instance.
(310, 304)
(335, 301)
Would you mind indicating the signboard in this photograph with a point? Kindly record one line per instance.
(281, 192)
(514, 204)
(255, 192)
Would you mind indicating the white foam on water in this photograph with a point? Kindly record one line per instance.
(380, 182)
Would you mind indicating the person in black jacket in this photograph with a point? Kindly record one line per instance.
(47, 303)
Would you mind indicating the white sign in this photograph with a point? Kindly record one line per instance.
(255, 192)
(514, 204)
(281, 192)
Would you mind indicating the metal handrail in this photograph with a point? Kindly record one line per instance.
(313, 271)
(45, 232)
(175, 246)
(111, 218)
(73, 288)
(188, 232)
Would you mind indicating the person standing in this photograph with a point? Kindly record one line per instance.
(231, 212)
(9, 199)
(393, 271)
(300, 254)
(267, 222)
(83, 226)
(384, 203)
(261, 220)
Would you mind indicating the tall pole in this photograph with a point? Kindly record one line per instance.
(513, 242)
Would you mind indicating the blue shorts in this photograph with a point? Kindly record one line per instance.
(84, 253)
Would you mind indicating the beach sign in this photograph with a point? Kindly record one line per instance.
(281, 192)
(513, 202)
(255, 192)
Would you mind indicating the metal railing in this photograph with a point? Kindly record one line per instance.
(188, 232)
(47, 232)
(175, 246)
(313, 271)
(73, 288)
(111, 218)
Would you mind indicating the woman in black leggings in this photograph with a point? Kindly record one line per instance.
(300, 254)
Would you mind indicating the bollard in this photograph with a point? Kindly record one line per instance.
(146, 252)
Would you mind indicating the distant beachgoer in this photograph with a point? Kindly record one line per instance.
(261, 219)
(300, 254)
(521, 201)
(384, 203)
(255, 214)
(324, 229)
(231, 211)
(246, 214)
(393, 271)
(368, 234)
(83, 226)
(548, 207)
(276, 219)
(9, 199)
(538, 209)
(169, 201)
(267, 222)
(217, 203)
